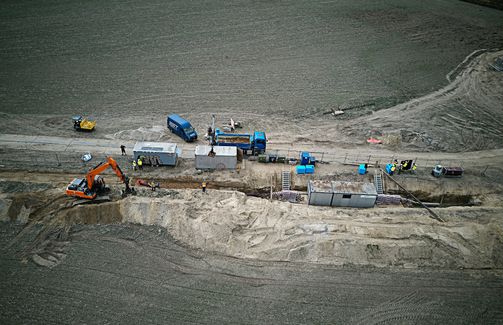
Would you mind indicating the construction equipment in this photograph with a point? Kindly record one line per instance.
(153, 185)
(83, 124)
(439, 171)
(93, 184)
(307, 159)
(407, 166)
(250, 143)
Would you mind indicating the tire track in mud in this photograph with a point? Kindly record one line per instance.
(463, 116)
(417, 308)
(114, 281)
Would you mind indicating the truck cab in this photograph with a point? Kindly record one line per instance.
(181, 127)
(254, 143)
(259, 142)
(439, 171)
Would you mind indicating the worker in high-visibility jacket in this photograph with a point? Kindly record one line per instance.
(203, 186)
(134, 164)
(393, 168)
(140, 163)
(414, 167)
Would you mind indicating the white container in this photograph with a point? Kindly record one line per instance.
(156, 153)
(341, 194)
(320, 192)
(354, 194)
(222, 157)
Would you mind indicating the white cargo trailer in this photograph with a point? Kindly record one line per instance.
(341, 194)
(320, 192)
(354, 194)
(216, 158)
(157, 153)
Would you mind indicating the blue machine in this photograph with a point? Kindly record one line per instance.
(301, 169)
(309, 169)
(250, 143)
(362, 170)
(307, 159)
(181, 127)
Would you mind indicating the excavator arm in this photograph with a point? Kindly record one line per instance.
(88, 189)
(102, 167)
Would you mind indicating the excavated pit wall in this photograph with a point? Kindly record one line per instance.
(234, 224)
(231, 223)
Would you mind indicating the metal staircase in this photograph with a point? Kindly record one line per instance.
(378, 181)
(285, 180)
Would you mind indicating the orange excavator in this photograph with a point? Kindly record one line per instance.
(94, 184)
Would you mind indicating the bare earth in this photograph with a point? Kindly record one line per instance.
(414, 74)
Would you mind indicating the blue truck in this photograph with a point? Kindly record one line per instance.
(306, 159)
(181, 127)
(250, 143)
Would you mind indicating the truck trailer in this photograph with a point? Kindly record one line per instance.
(250, 143)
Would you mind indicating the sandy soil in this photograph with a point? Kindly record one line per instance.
(234, 224)
(463, 116)
(414, 74)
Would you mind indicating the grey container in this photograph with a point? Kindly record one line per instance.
(354, 194)
(157, 153)
(320, 192)
(223, 157)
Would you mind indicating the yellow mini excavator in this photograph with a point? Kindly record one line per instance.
(83, 124)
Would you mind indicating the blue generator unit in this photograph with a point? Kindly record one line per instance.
(306, 158)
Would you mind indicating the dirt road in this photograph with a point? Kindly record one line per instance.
(67, 145)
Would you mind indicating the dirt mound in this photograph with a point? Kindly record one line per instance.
(465, 115)
(154, 133)
(233, 224)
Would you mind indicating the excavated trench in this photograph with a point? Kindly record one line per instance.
(434, 197)
(441, 200)
(232, 219)
(245, 226)
(191, 183)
